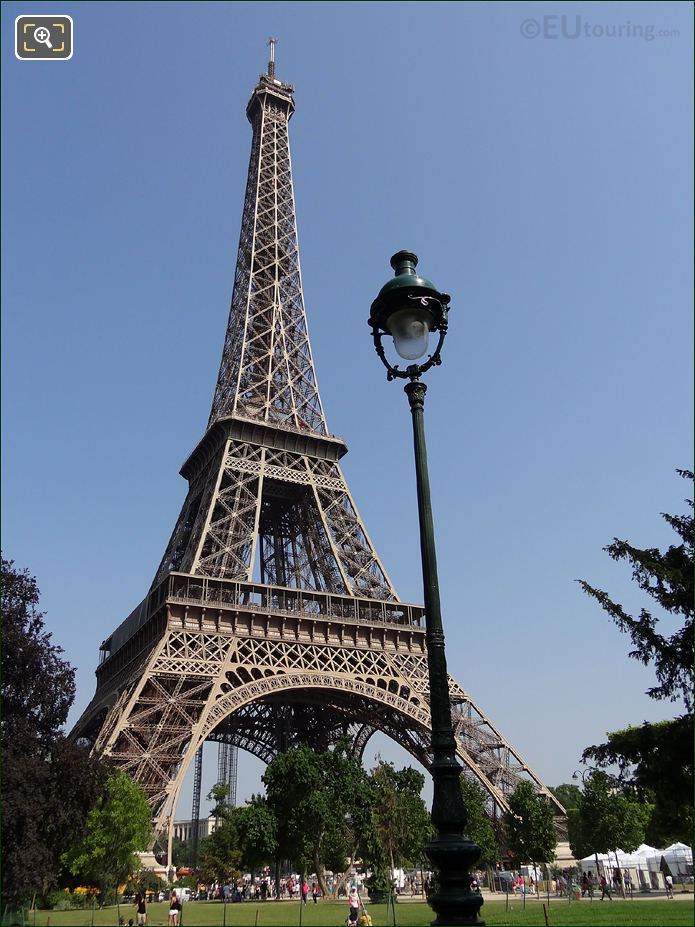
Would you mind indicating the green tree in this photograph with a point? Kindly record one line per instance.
(144, 881)
(48, 782)
(403, 822)
(322, 803)
(606, 819)
(116, 827)
(219, 794)
(655, 764)
(257, 828)
(220, 852)
(656, 760)
(530, 826)
(181, 853)
(668, 578)
(568, 794)
(379, 883)
(478, 826)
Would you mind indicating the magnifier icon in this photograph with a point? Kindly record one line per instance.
(43, 35)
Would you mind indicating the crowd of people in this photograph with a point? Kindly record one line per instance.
(293, 887)
(608, 884)
(523, 885)
(266, 889)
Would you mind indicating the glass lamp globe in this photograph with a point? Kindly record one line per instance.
(410, 329)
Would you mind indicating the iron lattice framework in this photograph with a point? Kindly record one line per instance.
(271, 620)
(227, 761)
(195, 810)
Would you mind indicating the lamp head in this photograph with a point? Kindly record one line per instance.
(408, 308)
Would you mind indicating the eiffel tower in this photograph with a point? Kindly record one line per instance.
(271, 620)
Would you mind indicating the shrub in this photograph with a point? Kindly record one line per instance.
(66, 900)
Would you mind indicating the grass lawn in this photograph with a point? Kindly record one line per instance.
(616, 913)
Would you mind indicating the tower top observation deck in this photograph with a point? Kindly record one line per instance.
(268, 84)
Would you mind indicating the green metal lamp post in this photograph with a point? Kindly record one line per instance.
(408, 308)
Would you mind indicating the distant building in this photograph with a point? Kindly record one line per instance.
(183, 830)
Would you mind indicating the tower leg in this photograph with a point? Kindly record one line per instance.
(171, 872)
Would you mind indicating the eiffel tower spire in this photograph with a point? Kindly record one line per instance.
(271, 620)
(267, 371)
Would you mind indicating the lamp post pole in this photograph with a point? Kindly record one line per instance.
(408, 308)
(450, 852)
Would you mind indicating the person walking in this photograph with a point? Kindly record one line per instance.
(668, 882)
(174, 910)
(354, 902)
(140, 909)
(315, 892)
(592, 885)
(605, 888)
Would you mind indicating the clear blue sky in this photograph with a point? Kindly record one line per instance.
(545, 183)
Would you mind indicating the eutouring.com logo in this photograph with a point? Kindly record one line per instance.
(571, 26)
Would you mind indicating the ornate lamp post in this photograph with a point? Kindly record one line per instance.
(408, 308)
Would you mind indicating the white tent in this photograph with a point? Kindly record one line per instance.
(608, 861)
(644, 865)
(678, 855)
(679, 858)
(635, 864)
(649, 857)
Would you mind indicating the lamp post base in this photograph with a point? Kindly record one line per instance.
(453, 901)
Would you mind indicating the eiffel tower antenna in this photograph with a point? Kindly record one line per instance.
(271, 620)
(271, 56)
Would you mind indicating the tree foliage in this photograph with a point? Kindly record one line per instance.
(478, 826)
(144, 881)
(117, 826)
(530, 826)
(655, 765)
(568, 794)
(655, 761)
(668, 578)
(402, 820)
(219, 794)
(606, 819)
(257, 829)
(48, 783)
(38, 684)
(181, 852)
(322, 802)
(220, 853)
